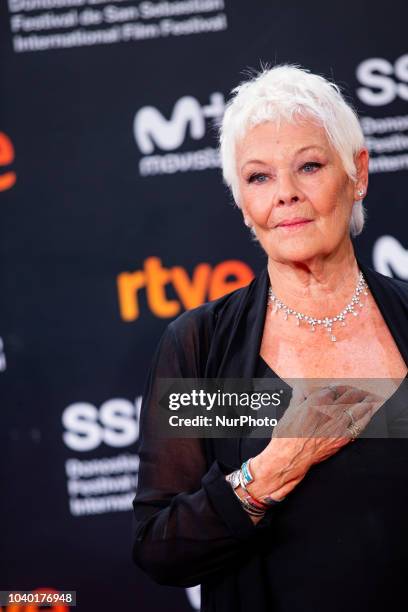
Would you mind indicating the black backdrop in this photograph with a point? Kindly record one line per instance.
(114, 219)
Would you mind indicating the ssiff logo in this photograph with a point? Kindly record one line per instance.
(382, 82)
(99, 485)
(115, 423)
(153, 133)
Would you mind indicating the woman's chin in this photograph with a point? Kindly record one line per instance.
(294, 252)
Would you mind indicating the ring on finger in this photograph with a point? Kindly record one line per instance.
(350, 415)
(354, 431)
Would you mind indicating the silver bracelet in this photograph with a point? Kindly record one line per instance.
(234, 480)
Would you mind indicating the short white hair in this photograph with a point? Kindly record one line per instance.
(291, 93)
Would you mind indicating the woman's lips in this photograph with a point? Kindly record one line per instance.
(292, 224)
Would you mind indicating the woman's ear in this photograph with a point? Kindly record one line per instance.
(362, 163)
(246, 217)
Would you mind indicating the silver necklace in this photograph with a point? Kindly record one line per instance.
(326, 322)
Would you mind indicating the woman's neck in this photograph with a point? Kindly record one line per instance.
(319, 287)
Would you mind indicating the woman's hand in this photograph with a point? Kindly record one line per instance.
(312, 429)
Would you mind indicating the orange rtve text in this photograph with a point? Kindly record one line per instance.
(8, 179)
(207, 283)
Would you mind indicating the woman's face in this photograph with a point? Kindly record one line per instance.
(294, 190)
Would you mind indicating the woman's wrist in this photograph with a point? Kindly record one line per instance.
(274, 475)
(262, 482)
(238, 481)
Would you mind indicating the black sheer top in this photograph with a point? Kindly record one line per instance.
(339, 541)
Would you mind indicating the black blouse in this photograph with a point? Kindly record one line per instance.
(339, 541)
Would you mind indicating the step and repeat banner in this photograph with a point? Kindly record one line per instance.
(114, 220)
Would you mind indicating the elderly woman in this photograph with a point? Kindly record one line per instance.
(295, 522)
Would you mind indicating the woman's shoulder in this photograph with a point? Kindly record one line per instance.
(201, 335)
(395, 286)
(204, 318)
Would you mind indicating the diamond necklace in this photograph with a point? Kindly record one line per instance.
(326, 322)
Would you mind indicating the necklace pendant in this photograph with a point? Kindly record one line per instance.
(353, 307)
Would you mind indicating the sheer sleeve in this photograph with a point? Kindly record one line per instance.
(188, 523)
(397, 412)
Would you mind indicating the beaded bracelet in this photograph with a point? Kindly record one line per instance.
(248, 507)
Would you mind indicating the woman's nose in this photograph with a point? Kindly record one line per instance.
(287, 191)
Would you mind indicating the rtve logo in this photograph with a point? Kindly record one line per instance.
(206, 283)
(8, 179)
(383, 81)
(390, 257)
(151, 129)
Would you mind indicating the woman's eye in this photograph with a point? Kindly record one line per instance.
(310, 167)
(257, 178)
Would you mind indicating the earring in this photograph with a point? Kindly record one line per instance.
(360, 193)
(247, 222)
